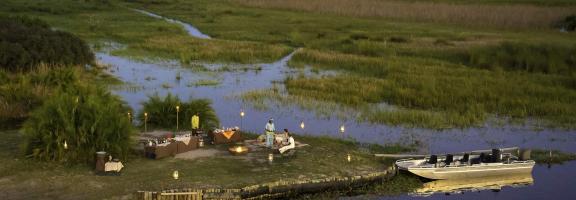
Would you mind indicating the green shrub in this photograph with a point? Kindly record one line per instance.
(25, 43)
(399, 39)
(162, 113)
(88, 119)
(568, 23)
(542, 58)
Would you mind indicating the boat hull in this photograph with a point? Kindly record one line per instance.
(473, 171)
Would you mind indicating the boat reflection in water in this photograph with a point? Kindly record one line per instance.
(457, 186)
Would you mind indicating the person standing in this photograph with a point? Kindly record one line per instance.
(270, 133)
(195, 124)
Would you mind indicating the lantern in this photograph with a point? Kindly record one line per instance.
(175, 175)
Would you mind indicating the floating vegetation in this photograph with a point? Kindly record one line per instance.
(178, 76)
(149, 78)
(166, 86)
(204, 82)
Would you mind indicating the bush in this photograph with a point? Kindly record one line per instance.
(399, 39)
(543, 58)
(568, 24)
(25, 43)
(162, 113)
(86, 118)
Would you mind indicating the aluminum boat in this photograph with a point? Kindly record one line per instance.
(467, 165)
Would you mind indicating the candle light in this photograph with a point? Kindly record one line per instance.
(239, 149)
(201, 142)
(349, 158)
(342, 129)
(175, 175)
(65, 145)
(302, 125)
(270, 157)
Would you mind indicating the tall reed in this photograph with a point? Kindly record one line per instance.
(502, 16)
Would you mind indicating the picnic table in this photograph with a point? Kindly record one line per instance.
(226, 136)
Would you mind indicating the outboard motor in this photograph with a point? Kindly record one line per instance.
(496, 155)
(433, 159)
(524, 154)
(465, 158)
(449, 159)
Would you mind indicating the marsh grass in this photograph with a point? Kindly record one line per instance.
(433, 93)
(472, 14)
(205, 82)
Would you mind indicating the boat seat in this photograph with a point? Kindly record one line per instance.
(449, 159)
(465, 158)
(433, 159)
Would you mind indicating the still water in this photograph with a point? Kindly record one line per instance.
(555, 182)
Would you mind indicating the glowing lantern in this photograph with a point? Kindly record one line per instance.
(302, 125)
(175, 175)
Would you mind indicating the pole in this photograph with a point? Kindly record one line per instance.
(145, 122)
(177, 112)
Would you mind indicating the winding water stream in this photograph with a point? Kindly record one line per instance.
(160, 77)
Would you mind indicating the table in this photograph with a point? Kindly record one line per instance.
(227, 137)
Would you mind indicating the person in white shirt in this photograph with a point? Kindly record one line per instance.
(291, 144)
(270, 133)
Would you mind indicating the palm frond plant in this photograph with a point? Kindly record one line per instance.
(162, 113)
(75, 123)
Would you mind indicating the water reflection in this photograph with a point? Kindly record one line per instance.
(556, 182)
(458, 186)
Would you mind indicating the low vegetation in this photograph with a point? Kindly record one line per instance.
(162, 113)
(26, 43)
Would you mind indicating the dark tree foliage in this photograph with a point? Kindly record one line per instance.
(568, 23)
(25, 43)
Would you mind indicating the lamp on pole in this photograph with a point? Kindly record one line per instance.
(129, 117)
(177, 112)
(241, 119)
(145, 122)
(342, 129)
(302, 125)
